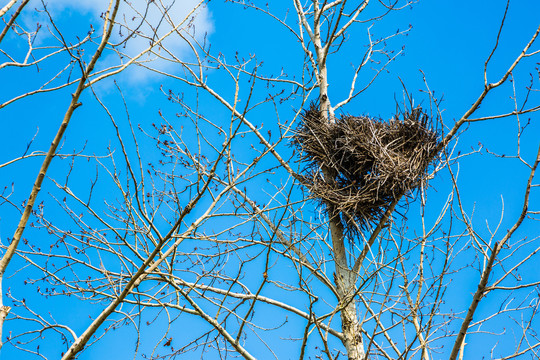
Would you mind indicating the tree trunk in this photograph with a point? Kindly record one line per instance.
(344, 278)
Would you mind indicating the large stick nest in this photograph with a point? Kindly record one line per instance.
(360, 165)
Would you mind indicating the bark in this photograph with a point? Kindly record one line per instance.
(6, 8)
(345, 281)
(344, 278)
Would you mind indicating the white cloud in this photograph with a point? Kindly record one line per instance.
(93, 6)
(199, 23)
(147, 17)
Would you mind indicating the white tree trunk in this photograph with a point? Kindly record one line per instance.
(344, 278)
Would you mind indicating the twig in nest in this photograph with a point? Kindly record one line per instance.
(372, 161)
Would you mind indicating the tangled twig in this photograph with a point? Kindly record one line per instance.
(371, 161)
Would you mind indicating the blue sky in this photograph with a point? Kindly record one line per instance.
(448, 41)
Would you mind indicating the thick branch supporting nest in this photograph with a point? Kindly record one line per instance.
(371, 162)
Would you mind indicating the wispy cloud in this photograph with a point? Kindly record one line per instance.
(141, 24)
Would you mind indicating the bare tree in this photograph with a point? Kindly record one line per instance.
(203, 231)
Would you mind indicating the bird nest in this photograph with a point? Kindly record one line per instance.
(360, 165)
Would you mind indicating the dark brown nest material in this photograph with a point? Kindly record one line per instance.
(369, 162)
